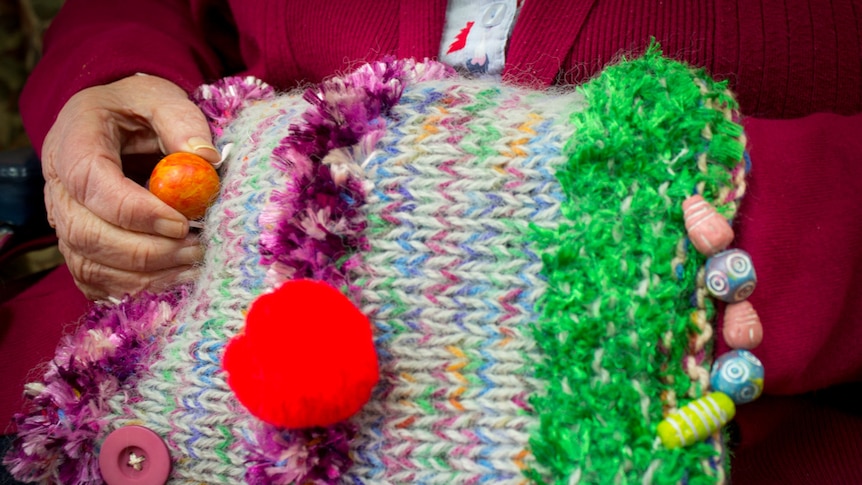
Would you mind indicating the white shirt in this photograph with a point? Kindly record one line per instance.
(475, 35)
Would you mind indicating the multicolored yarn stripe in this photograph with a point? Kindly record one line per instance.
(450, 281)
(521, 255)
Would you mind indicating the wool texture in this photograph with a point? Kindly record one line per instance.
(521, 256)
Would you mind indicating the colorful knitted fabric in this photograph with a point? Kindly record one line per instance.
(521, 255)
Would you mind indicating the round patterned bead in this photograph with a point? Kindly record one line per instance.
(707, 230)
(739, 374)
(730, 276)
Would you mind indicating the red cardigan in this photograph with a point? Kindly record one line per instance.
(787, 60)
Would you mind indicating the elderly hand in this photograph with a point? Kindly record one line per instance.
(116, 236)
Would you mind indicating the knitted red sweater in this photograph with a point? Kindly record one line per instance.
(786, 59)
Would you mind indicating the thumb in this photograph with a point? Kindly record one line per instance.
(182, 127)
(177, 122)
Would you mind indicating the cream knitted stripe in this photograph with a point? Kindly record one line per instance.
(451, 283)
(185, 397)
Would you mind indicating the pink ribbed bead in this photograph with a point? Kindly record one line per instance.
(708, 231)
(742, 327)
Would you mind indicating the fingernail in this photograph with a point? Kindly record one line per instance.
(170, 228)
(197, 143)
(189, 255)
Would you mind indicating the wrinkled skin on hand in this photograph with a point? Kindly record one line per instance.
(116, 236)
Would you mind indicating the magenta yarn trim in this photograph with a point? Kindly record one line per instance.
(316, 219)
(112, 346)
(314, 229)
(313, 455)
(222, 101)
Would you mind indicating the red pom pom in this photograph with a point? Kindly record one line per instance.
(305, 358)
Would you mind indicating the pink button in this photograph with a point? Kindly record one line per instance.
(134, 455)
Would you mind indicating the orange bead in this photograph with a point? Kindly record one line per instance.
(186, 182)
(708, 231)
(742, 326)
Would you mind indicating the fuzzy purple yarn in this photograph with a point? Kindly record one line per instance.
(57, 438)
(343, 110)
(317, 220)
(222, 101)
(314, 229)
(314, 455)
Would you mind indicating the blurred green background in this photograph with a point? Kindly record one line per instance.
(22, 24)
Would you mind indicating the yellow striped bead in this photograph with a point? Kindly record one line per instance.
(696, 420)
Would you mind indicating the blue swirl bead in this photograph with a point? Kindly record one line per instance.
(739, 374)
(730, 276)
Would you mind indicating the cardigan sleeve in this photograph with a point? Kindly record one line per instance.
(93, 42)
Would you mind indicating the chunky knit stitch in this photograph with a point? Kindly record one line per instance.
(450, 280)
(521, 255)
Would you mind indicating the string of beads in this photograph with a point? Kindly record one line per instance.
(736, 376)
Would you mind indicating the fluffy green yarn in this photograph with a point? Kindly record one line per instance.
(616, 317)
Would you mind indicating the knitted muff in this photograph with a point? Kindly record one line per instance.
(534, 303)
